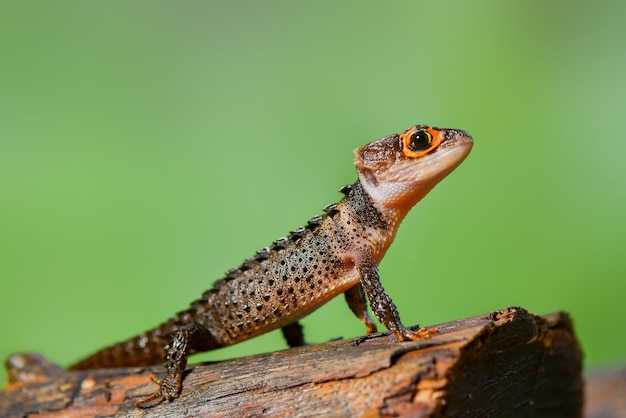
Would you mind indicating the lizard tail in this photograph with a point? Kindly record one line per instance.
(142, 350)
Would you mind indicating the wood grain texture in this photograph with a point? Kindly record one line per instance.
(605, 394)
(506, 363)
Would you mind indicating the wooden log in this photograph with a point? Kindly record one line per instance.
(506, 363)
(605, 394)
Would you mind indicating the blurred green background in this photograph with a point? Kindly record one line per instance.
(147, 147)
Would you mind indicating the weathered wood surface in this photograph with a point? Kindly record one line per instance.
(605, 394)
(507, 363)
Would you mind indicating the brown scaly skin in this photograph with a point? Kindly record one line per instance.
(335, 253)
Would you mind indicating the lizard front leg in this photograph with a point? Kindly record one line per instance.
(383, 307)
(355, 296)
(189, 339)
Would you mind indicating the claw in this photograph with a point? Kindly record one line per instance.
(149, 399)
(421, 334)
(168, 390)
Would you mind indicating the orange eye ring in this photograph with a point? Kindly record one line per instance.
(419, 141)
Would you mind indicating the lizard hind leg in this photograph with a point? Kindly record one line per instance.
(293, 334)
(355, 296)
(188, 339)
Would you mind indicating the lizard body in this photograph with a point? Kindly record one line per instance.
(335, 253)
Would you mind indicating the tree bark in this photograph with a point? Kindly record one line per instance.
(605, 395)
(506, 363)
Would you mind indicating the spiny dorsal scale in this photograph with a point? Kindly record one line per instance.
(314, 222)
(281, 243)
(330, 209)
(248, 263)
(263, 253)
(347, 189)
(297, 233)
(232, 273)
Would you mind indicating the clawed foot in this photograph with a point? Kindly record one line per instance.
(406, 334)
(169, 389)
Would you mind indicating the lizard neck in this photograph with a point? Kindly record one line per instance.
(393, 201)
(380, 224)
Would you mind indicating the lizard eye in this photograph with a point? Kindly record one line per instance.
(419, 141)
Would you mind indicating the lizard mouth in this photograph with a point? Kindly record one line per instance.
(449, 154)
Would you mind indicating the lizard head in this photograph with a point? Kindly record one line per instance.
(398, 170)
